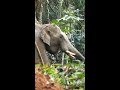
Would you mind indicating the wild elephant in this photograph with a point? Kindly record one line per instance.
(50, 37)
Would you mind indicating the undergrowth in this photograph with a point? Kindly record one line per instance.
(71, 75)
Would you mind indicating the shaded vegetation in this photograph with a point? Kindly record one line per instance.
(69, 15)
(70, 75)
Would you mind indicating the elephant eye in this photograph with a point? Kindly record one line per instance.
(61, 36)
(48, 31)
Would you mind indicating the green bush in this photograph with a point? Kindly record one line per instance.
(73, 77)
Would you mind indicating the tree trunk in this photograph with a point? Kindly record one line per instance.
(60, 8)
(46, 13)
(38, 10)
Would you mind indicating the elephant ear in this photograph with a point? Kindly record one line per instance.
(44, 35)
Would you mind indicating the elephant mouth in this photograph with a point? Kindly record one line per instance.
(71, 54)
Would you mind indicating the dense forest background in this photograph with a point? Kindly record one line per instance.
(69, 15)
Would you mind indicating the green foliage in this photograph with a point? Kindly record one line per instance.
(36, 65)
(69, 16)
(72, 77)
(76, 33)
(72, 23)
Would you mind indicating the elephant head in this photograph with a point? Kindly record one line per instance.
(54, 39)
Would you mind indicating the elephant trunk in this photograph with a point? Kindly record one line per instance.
(72, 49)
(69, 49)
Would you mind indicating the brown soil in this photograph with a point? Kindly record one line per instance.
(43, 82)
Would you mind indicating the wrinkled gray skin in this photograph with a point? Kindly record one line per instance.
(49, 37)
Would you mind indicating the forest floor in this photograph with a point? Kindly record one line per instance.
(43, 82)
